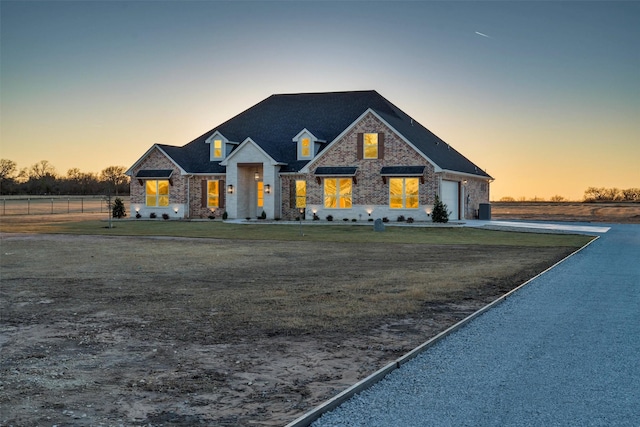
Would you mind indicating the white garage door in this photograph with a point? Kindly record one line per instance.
(451, 198)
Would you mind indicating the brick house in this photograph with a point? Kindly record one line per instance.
(351, 155)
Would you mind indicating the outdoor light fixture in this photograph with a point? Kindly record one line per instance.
(464, 182)
(256, 176)
(137, 209)
(175, 210)
(230, 189)
(267, 189)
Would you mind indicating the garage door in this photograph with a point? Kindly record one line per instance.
(451, 197)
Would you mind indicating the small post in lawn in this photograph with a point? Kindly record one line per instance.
(300, 217)
(109, 206)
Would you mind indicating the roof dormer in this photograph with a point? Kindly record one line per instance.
(220, 146)
(307, 144)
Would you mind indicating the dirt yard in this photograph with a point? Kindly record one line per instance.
(102, 331)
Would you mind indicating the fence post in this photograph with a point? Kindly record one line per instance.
(28, 205)
(81, 204)
(68, 202)
(52, 206)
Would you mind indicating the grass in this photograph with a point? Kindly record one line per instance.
(289, 232)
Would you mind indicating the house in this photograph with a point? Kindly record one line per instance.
(350, 155)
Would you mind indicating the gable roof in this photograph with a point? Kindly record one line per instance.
(273, 122)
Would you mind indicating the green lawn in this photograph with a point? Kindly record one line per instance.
(290, 232)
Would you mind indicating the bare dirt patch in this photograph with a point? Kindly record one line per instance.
(169, 331)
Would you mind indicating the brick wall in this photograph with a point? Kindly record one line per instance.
(177, 192)
(369, 191)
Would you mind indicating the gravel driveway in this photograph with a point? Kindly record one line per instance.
(562, 351)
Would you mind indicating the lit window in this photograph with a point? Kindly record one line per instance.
(213, 194)
(260, 197)
(217, 148)
(337, 193)
(403, 193)
(301, 194)
(370, 141)
(305, 147)
(157, 192)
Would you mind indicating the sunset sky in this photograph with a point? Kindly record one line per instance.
(545, 96)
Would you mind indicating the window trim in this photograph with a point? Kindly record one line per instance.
(214, 148)
(210, 194)
(337, 196)
(404, 192)
(298, 197)
(360, 151)
(157, 195)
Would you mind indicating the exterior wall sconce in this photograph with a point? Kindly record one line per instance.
(137, 209)
(230, 188)
(175, 210)
(256, 176)
(267, 189)
(464, 182)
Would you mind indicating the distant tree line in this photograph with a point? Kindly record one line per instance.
(601, 194)
(591, 194)
(41, 178)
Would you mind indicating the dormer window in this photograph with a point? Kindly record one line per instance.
(217, 149)
(305, 147)
(220, 146)
(307, 144)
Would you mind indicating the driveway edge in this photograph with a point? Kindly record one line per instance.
(312, 415)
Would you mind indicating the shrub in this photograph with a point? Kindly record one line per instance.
(439, 213)
(385, 219)
(263, 215)
(118, 210)
(316, 217)
(152, 215)
(211, 216)
(225, 215)
(400, 218)
(165, 216)
(353, 220)
(370, 220)
(329, 217)
(138, 215)
(345, 219)
(410, 220)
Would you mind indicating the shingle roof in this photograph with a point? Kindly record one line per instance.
(273, 122)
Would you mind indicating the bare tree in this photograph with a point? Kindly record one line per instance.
(7, 170)
(115, 176)
(42, 169)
